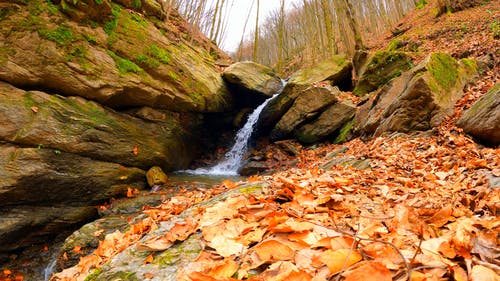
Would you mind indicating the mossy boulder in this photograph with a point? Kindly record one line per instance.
(308, 105)
(251, 82)
(156, 176)
(334, 72)
(85, 128)
(129, 59)
(482, 120)
(379, 68)
(419, 99)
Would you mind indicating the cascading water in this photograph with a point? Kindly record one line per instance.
(233, 158)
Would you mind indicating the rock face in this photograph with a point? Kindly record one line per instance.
(309, 104)
(251, 82)
(331, 120)
(482, 120)
(92, 93)
(125, 60)
(334, 72)
(85, 128)
(419, 99)
(379, 68)
(46, 191)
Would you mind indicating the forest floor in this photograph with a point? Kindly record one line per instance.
(427, 208)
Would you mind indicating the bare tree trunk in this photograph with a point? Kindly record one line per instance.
(256, 38)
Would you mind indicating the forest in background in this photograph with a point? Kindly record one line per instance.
(311, 31)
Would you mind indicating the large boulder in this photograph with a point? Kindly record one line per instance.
(75, 125)
(379, 68)
(130, 60)
(331, 120)
(251, 82)
(309, 104)
(45, 191)
(482, 120)
(419, 99)
(335, 72)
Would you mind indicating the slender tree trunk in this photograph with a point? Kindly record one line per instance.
(256, 38)
(353, 24)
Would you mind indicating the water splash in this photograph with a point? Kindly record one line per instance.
(49, 269)
(233, 159)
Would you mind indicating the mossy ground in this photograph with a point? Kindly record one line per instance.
(444, 69)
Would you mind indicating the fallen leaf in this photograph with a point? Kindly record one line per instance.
(149, 259)
(98, 233)
(339, 259)
(272, 250)
(7, 272)
(135, 150)
(148, 275)
(34, 109)
(482, 273)
(225, 270)
(19, 277)
(78, 249)
(441, 217)
(369, 271)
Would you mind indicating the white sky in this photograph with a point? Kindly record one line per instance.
(238, 14)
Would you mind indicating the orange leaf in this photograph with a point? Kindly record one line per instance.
(129, 192)
(298, 276)
(19, 277)
(7, 272)
(272, 250)
(34, 109)
(65, 256)
(198, 276)
(149, 259)
(339, 259)
(369, 271)
(77, 249)
(45, 248)
(228, 184)
(148, 275)
(98, 233)
(225, 270)
(135, 150)
(441, 217)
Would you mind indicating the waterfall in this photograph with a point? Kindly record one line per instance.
(233, 158)
(49, 269)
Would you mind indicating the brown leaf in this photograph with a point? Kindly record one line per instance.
(34, 109)
(482, 273)
(369, 271)
(442, 217)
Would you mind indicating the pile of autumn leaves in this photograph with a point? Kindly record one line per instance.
(424, 210)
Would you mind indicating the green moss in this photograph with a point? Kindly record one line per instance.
(382, 67)
(469, 66)
(5, 51)
(124, 65)
(28, 100)
(98, 2)
(93, 275)
(420, 4)
(344, 132)
(444, 69)
(250, 189)
(111, 25)
(136, 4)
(495, 28)
(61, 35)
(173, 75)
(123, 276)
(159, 53)
(91, 39)
(394, 45)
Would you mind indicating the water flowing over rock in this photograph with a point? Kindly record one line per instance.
(419, 99)
(251, 82)
(482, 120)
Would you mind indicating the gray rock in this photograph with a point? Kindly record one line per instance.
(332, 119)
(308, 105)
(418, 100)
(251, 82)
(482, 120)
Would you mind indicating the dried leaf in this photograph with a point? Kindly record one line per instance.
(272, 250)
(135, 150)
(149, 259)
(369, 271)
(339, 259)
(482, 273)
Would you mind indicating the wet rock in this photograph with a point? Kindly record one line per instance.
(156, 176)
(251, 82)
(289, 146)
(419, 99)
(253, 168)
(482, 120)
